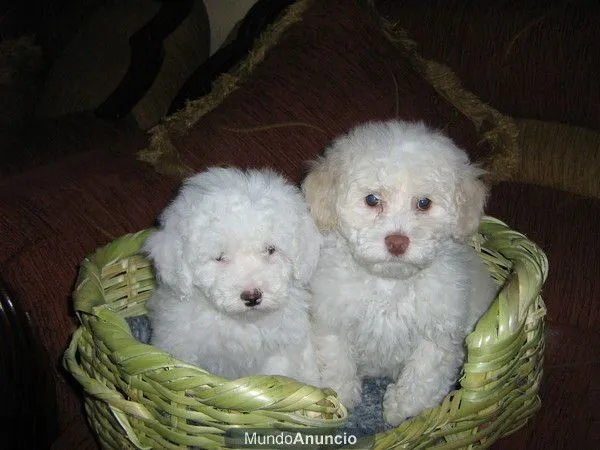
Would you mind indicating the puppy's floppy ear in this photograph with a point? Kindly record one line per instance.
(307, 246)
(165, 248)
(320, 192)
(471, 197)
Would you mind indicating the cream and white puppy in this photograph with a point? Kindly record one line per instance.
(397, 289)
(233, 255)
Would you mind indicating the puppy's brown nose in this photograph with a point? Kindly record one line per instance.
(251, 298)
(396, 243)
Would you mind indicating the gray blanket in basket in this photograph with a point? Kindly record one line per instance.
(366, 419)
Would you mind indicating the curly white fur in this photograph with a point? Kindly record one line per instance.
(233, 255)
(401, 309)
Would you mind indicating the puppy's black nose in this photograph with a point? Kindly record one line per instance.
(396, 243)
(251, 298)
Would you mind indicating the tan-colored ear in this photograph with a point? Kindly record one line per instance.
(319, 187)
(471, 198)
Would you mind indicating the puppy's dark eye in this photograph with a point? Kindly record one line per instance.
(372, 200)
(221, 258)
(423, 204)
(270, 250)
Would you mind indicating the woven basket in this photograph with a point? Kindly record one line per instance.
(137, 396)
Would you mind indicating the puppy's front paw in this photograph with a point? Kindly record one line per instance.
(349, 392)
(397, 406)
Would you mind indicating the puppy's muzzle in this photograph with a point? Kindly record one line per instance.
(251, 298)
(396, 243)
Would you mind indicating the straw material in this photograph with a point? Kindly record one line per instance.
(137, 396)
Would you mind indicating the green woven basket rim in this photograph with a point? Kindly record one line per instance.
(498, 389)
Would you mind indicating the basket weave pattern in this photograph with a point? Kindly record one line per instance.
(137, 396)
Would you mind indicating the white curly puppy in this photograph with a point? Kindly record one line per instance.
(397, 289)
(233, 255)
